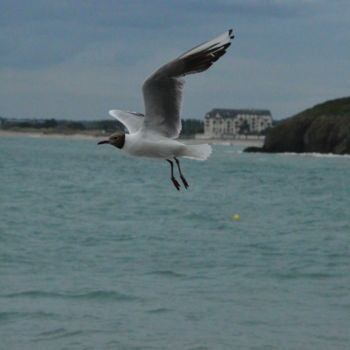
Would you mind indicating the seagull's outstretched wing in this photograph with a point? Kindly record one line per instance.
(162, 91)
(132, 121)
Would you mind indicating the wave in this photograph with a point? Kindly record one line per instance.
(305, 275)
(14, 315)
(98, 295)
(58, 334)
(62, 332)
(31, 293)
(303, 154)
(105, 295)
(159, 310)
(315, 154)
(167, 273)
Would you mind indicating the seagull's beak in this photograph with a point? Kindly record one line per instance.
(102, 142)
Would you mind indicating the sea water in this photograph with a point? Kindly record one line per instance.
(99, 250)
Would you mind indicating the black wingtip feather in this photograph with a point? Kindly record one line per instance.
(202, 60)
(230, 33)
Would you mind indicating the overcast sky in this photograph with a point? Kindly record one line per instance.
(76, 59)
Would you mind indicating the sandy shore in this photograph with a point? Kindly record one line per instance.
(234, 142)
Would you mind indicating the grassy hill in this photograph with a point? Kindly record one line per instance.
(324, 128)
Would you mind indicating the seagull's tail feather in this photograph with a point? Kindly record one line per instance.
(199, 152)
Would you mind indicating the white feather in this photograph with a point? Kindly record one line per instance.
(132, 121)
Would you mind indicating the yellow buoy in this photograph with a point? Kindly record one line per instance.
(236, 217)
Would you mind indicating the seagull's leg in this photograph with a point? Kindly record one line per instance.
(184, 181)
(176, 184)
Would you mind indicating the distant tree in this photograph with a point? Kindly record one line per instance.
(244, 128)
(106, 125)
(73, 125)
(49, 123)
(192, 127)
(23, 124)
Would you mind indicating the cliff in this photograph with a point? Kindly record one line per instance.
(324, 128)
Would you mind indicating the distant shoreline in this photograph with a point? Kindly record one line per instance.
(221, 142)
(7, 133)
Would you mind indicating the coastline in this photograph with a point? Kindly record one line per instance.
(258, 142)
(6, 133)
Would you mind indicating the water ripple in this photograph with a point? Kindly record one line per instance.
(14, 315)
(93, 296)
(168, 273)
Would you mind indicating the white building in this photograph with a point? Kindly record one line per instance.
(227, 123)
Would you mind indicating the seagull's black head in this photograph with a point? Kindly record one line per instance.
(117, 140)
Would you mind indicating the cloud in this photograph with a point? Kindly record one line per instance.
(40, 32)
(258, 8)
(80, 58)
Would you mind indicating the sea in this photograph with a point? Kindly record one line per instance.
(100, 251)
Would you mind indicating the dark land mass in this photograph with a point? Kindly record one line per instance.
(324, 128)
(190, 127)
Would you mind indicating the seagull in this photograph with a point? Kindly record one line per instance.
(154, 133)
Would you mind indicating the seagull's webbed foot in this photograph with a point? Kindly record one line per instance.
(184, 181)
(176, 184)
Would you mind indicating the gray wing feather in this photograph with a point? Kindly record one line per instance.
(162, 91)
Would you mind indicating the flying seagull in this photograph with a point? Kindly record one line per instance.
(153, 135)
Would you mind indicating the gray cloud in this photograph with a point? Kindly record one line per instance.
(80, 58)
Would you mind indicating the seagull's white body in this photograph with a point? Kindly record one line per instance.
(153, 135)
(153, 147)
(159, 147)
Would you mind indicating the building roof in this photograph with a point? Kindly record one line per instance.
(232, 113)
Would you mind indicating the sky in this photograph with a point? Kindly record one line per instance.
(77, 59)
